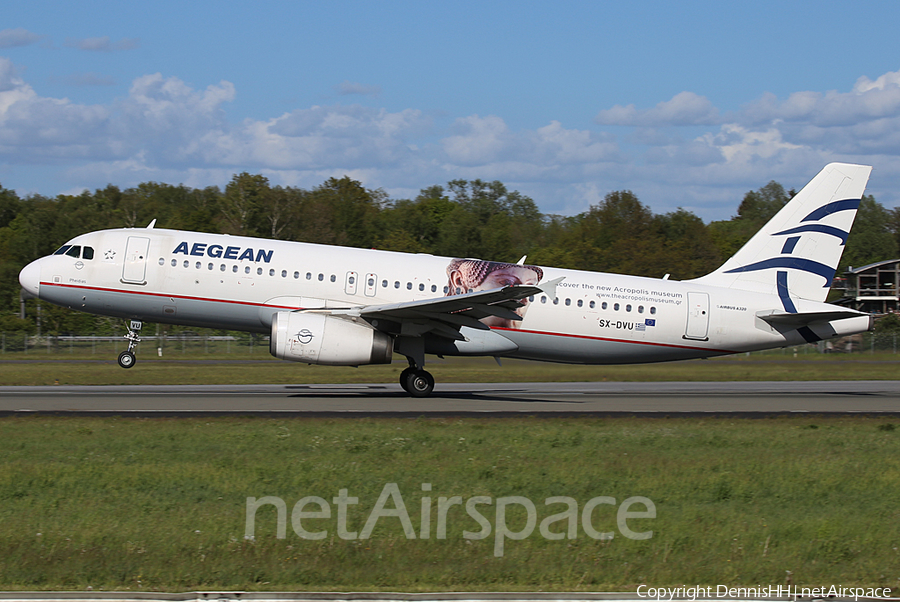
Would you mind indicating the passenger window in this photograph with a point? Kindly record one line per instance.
(187, 263)
(333, 277)
(421, 287)
(271, 272)
(593, 305)
(321, 277)
(74, 251)
(543, 299)
(409, 286)
(531, 299)
(174, 263)
(628, 307)
(556, 301)
(87, 253)
(604, 305)
(396, 284)
(259, 271)
(384, 284)
(580, 303)
(221, 267)
(652, 311)
(296, 275)
(568, 302)
(433, 288)
(284, 273)
(370, 282)
(198, 265)
(247, 269)
(616, 307)
(210, 266)
(62, 250)
(234, 268)
(640, 309)
(309, 275)
(162, 261)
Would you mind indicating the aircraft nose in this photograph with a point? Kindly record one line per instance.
(30, 278)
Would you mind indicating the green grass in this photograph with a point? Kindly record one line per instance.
(151, 370)
(159, 504)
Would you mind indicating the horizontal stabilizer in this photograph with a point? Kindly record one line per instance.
(812, 317)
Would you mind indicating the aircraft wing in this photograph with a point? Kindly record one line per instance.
(444, 316)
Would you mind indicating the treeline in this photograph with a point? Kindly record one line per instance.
(462, 219)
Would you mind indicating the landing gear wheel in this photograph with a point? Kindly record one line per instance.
(419, 383)
(404, 378)
(127, 359)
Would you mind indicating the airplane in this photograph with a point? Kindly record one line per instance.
(345, 306)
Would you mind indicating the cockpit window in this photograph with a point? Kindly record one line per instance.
(74, 251)
(87, 253)
(62, 250)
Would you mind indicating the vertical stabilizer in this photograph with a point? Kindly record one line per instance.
(796, 254)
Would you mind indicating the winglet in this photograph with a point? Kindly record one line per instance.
(549, 287)
(151, 224)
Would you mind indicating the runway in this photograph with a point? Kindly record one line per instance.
(754, 399)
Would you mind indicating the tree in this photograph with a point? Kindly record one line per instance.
(870, 238)
(893, 224)
(687, 249)
(243, 197)
(756, 208)
(488, 221)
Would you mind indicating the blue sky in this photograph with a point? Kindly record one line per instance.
(687, 104)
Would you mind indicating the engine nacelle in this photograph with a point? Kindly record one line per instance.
(318, 338)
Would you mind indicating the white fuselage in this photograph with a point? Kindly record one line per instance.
(239, 283)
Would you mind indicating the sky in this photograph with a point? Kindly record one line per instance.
(687, 104)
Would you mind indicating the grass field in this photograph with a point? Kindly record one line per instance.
(160, 504)
(260, 368)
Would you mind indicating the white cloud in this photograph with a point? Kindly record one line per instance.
(740, 144)
(348, 88)
(351, 137)
(103, 44)
(167, 130)
(868, 100)
(11, 38)
(685, 108)
(480, 140)
(89, 79)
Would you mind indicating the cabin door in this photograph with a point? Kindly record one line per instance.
(135, 268)
(698, 317)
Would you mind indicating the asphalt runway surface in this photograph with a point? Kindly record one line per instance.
(756, 399)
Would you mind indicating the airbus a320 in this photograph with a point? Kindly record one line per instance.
(348, 307)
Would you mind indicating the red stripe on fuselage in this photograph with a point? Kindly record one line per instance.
(593, 338)
(253, 304)
(166, 295)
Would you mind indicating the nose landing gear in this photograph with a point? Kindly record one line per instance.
(127, 358)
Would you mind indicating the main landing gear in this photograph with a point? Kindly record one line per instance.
(416, 382)
(127, 358)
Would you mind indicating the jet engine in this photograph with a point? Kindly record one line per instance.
(319, 338)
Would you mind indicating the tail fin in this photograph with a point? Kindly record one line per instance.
(797, 252)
